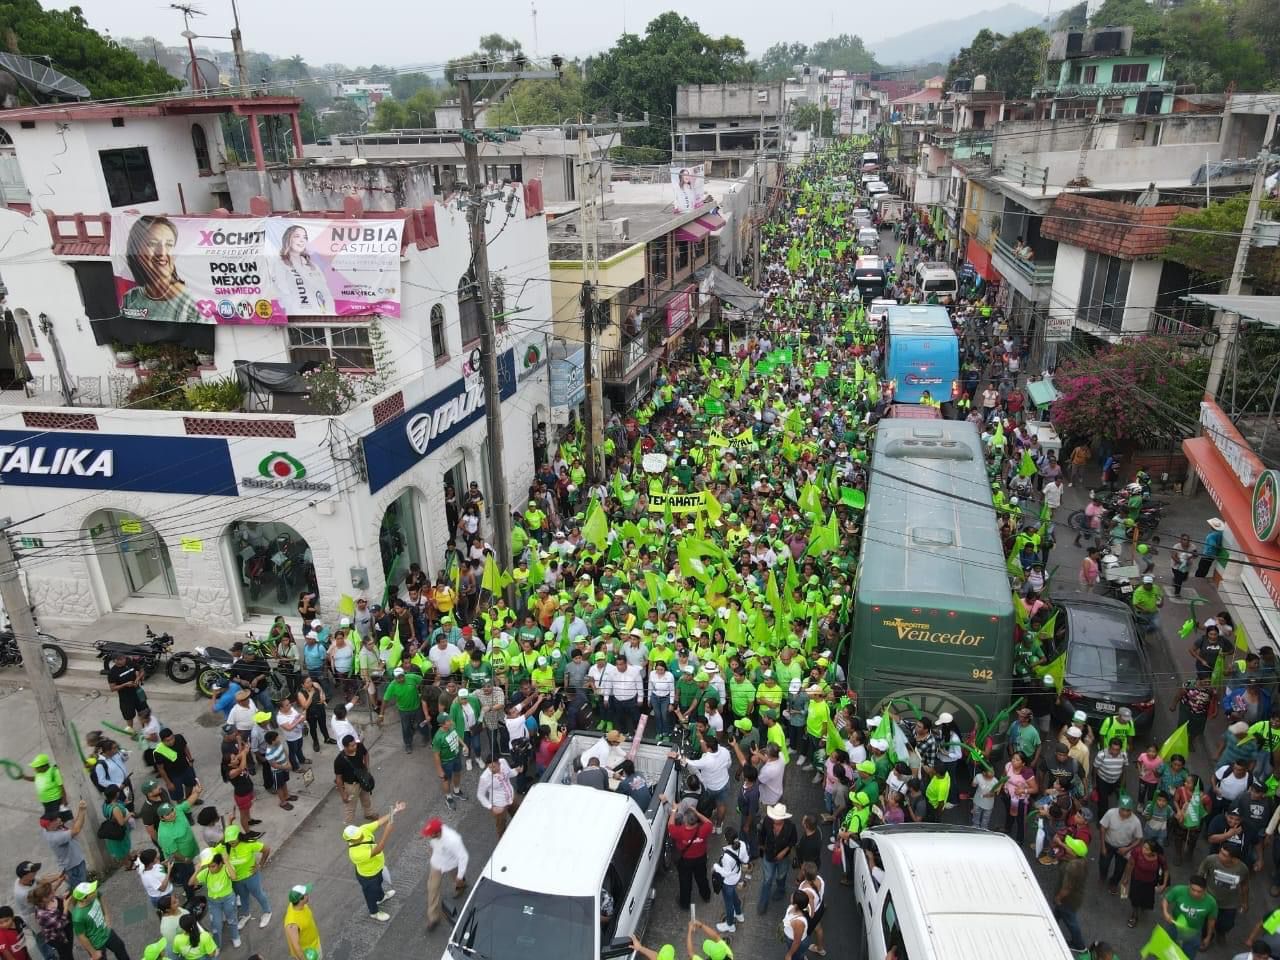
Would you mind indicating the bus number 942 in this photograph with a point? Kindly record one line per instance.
(983, 675)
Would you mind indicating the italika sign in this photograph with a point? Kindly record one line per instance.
(103, 461)
(420, 431)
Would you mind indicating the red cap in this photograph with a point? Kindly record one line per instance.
(432, 829)
(48, 822)
(466, 630)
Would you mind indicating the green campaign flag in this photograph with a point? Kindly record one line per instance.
(733, 629)
(537, 572)
(821, 370)
(346, 605)
(1178, 742)
(834, 740)
(691, 564)
(1161, 946)
(1188, 627)
(1027, 468)
(713, 407)
(853, 498)
(722, 363)
(640, 602)
(1056, 669)
(811, 500)
(637, 453)
(771, 593)
(595, 529)
(491, 579)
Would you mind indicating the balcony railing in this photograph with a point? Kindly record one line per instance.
(1184, 332)
(616, 363)
(1037, 274)
(1024, 174)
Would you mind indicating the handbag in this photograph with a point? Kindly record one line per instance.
(111, 829)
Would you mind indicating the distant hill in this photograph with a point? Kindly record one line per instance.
(940, 41)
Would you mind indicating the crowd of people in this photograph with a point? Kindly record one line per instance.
(698, 591)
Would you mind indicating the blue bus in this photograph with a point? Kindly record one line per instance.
(923, 353)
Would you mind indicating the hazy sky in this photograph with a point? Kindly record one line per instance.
(403, 32)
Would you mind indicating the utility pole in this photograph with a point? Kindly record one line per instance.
(477, 208)
(589, 231)
(1228, 322)
(66, 754)
(588, 227)
(237, 47)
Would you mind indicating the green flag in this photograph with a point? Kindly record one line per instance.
(853, 498)
(595, 529)
(1056, 669)
(1177, 742)
(1161, 946)
(346, 605)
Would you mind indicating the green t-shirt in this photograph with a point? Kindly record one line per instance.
(244, 858)
(217, 882)
(403, 691)
(48, 784)
(91, 922)
(205, 946)
(447, 744)
(1196, 913)
(177, 836)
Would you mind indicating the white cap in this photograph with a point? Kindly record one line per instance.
(398, 671)
(946, 718)
(878, 744)
(344, 622)
(1079, 716)
(1148, 579)
(1074, 731)
(317, 623)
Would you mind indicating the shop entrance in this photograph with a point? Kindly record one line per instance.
(455, 487)
(400, 537)
(134, 561)
(273, 567)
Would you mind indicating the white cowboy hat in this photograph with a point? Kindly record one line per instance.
(777, 811)
(1216, 523)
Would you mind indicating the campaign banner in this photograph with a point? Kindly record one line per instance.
(257, 270)
(678, 502)
(689, 184)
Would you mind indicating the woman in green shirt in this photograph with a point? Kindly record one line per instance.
(218, 878)
(116, 812)
(193, 942)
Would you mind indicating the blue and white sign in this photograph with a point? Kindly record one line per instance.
(418, 432)
(568, 386)
(105, 461)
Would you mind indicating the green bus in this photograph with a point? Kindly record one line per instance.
(933, 621)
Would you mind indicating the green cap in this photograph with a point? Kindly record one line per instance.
(860, 798)
(41, 760)
(867, 766)
(743, 724)
(231, 834)
(1126, 803)
(296, 893)
(1076, 846)
(165, 809)
(149, 786)
(702, 677)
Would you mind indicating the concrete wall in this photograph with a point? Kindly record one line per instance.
(709, 101)
(380, 186)
(1068, 274)
(1144, 285)
(61, 165)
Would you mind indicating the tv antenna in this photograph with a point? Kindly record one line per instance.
(188, 11)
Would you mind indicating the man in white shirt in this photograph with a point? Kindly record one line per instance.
(772, 770)
(1053, 495)
(496, 791)
(624, 685)
(448, 855)
(442, 655)
(713, 769)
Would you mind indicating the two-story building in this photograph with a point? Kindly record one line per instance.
(202, 435)
(727, 126)
(1098, 75)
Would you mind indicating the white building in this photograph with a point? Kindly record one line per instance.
(226, 517)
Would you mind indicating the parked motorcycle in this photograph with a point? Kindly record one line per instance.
(144, 656)
(213, 665)
(11, 654)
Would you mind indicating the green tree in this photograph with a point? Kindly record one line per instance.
(540, 101)
(1013, 64)
(294, 68)
(1204, 241)
(810, 116)
(405, 85)
(344, 117)
(845, 52)
(107, 68)
(1073, 18)
(641, 73)
(778, 61)
(415, 113)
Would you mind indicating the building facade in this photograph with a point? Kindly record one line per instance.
(225, 514)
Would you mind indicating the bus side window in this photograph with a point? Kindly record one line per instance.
(891, 931)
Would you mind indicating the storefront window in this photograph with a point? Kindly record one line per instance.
(133, 559)
(273, 565)
(399, 539)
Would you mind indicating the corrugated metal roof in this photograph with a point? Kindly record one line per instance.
(1263, 310)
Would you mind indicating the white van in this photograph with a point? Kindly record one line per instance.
(878, 310)
(951, 893)
(876, 186)
(870, 161)
(869, 238)
(935, 277)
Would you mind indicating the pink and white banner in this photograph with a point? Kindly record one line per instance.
(261, 270)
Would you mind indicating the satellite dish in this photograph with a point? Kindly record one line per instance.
(43, 83)
(202, 74)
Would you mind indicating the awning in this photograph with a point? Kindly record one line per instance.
(714, 281)
(1236, 508)
(712, 221)
(980, 257)
(1042, 392)
(692, 232)
(1263, 310)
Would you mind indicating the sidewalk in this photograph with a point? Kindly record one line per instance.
(22, 737)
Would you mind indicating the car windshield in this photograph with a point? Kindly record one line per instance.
(503, 923)
(1104, 667)
(945, 283)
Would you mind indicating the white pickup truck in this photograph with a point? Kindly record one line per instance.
(540, 895)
